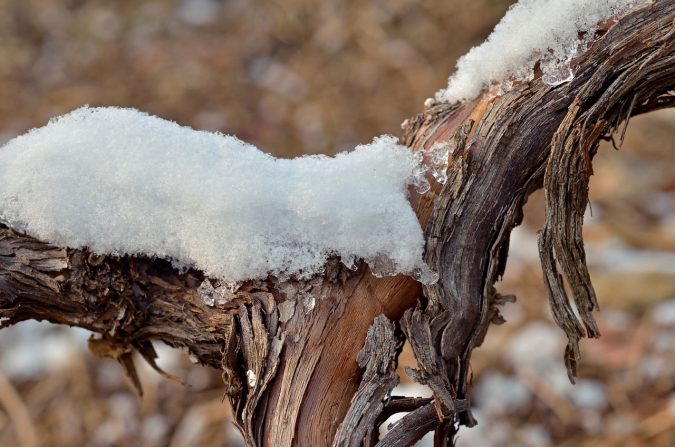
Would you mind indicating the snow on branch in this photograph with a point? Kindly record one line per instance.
(122, 182)
(548, 32)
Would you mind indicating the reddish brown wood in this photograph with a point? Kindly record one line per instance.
(290, 367)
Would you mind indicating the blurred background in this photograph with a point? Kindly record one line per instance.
(308, 76)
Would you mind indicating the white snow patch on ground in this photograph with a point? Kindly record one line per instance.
(531, 31)
(122, 182)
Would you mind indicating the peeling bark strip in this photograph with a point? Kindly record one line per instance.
(379, 378)
(287, 351)
(504, 148)
(628, 80)
(293, 354)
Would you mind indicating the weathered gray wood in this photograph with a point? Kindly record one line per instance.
(504, 148)
(290, 352)
(379, 378)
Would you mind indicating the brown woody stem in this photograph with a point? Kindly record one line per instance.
(315, 367)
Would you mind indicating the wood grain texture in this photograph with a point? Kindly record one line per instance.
(311, 363)
(506, 147)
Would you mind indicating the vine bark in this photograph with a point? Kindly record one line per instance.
(313, 362)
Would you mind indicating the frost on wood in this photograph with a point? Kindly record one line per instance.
(550, 32)
(219, 295)
(120, 182)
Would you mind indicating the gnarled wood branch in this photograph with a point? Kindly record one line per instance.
(504, 148)
(293, 354)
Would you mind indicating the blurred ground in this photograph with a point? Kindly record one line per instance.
(309, 76)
